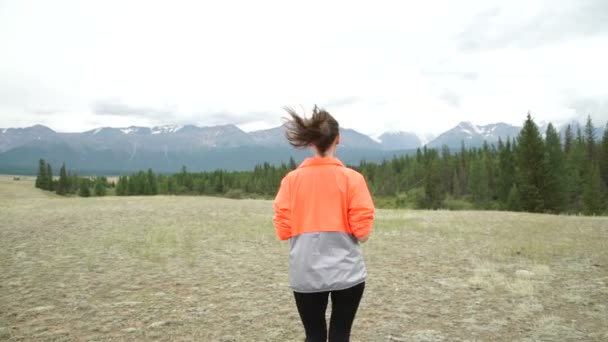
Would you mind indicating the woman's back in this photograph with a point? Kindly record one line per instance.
(324, 207)
(325, 196)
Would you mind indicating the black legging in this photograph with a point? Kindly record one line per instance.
(312, 306)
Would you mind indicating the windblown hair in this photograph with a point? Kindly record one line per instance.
(320, 130)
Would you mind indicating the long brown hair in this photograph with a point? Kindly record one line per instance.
(321, 129)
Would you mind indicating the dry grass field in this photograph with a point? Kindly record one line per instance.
(209, 269)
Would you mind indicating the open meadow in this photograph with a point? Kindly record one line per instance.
(185, 268)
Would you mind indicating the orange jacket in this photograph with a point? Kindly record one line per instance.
(322, 195)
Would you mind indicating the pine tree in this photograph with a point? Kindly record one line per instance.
(199, 186)
(446, 171)
(41, 178)
(531, 167)
(506, 171)
(72, 183)
(184, 181)
(456, 191)
(593, 196)
(49, 177)
(172, 186)
(121, 186)
(590, 140)
(151, 181)
(491, 160)
(514, 199)
(100, 188)
(575, 176)
(462, 168)
(292, 163)
(84, 191)
(603, 158)
(219, 180)
(432, 181)
(62, 184)
(163, 184)
(568, 140)
(478, 182)
(132, 188)
(553, 190)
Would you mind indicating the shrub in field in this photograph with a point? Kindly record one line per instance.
(84, 190)
(235, 194)
(451, 203)
(100, 189)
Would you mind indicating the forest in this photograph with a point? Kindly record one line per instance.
(541, 172)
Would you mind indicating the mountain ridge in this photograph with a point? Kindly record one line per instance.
(166, 148)
(220, 135)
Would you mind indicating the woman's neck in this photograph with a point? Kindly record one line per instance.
(328, 154)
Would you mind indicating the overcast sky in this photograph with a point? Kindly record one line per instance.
(419, 66)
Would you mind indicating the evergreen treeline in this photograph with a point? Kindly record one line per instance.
(263, 181)
(68, 183)
(527, 173)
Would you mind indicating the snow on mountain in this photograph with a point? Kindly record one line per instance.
(376, 138)
(136, 130)
(166, 129)
(129, 130)
(473, 136)
(469, 129)
(103, 131)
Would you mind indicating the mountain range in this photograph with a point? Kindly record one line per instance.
(110, 150)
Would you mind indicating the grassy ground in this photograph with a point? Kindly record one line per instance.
(210, 269)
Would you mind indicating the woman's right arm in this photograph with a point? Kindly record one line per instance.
(282, 211)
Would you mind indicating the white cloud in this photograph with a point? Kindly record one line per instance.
(381, 65)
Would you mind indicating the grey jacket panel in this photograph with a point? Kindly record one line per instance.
(325, 261)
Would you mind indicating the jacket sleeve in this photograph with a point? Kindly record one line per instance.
(282, 211)
(360, 208)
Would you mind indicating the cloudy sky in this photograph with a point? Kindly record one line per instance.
(419, 66)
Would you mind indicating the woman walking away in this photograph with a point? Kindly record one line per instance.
(325, 210)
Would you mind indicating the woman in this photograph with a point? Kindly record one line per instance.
(325, 210)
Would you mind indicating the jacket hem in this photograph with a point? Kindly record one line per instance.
(329, 289)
